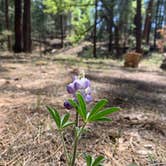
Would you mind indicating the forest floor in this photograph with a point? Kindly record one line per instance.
(136, 136)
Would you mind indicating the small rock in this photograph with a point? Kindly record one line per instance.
(148, 146)
(144, 152)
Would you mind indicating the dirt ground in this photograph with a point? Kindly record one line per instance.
(136, 136)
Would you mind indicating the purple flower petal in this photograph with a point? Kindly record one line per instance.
(67, 105)
(77, 84)
(88, 98)
(82, 83)
(85, 83)
(70, 88)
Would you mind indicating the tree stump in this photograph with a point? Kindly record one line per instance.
(132, 59)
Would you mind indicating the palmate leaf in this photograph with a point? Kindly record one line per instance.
(98, 161)
(61, 122)
(104, 119)
(67, 124)
(55, 115)
(101, 115)
(64, 121)
(73, 103)
(82, 106)
(88, 159)
(77, 107)
(65, 118)
(98, 107)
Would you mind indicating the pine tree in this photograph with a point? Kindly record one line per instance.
(27, 26)
(17, 27)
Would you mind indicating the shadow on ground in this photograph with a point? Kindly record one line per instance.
(133, 92)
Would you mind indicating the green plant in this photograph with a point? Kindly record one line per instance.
(90, 161)
(97, 113)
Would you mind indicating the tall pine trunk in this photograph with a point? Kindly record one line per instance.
(27, 26)
(156, 23)
(110, 29)
(7, 23)
(148, 21)
(94, 32)
(117, 41)
(17, 27)
(138, 24)
(62, 30)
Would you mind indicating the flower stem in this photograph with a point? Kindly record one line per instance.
(77, 119)
(76, 144)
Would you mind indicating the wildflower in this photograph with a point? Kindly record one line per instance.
(82, 83)
(88, 98)
(71, 88)
(79, 84)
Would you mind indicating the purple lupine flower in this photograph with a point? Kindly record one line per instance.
(82, 83)
(70, 88)
(77, 84)
(85, 83)
(88, 98)
(83, 86)
(67, 105)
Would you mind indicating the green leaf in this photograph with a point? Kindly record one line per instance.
(65, 118)
(68, 124)
(73, 103)
(104, 119)
(98, 106)
(103, 113)
(87, 116)
(88, 159)
(98, 161)
(82, 105)
(55, 115)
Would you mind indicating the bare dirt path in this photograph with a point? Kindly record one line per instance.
(28, 84)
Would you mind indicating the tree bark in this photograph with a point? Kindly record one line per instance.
(138, 23)
(110, 29)
(17, 27)
(148, 21)
(117, 41)
(156, 23)
(7, 23)
(62, 30)
(94, 32)
(27, 26)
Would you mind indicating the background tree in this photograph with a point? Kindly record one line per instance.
(74, 21)
(138, 23)
(7, 23)
(17, 27)
(27, 26)
(148, 21)
(94, 31)
(58, 9)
